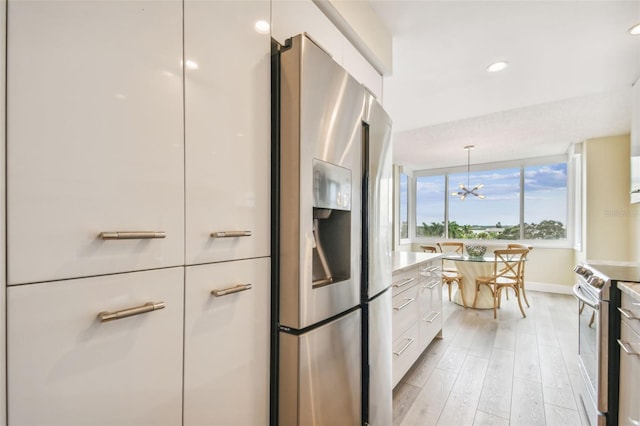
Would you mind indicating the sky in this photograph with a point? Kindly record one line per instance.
(545, 197)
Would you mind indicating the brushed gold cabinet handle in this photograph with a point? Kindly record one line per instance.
(230, 234)
(432, 317)
(124, 313)
(131, 235)
(433, 284)
(403, 282)
(405, 304)
(626, 347)
(628, 314)
(231, 290)
(405, 347)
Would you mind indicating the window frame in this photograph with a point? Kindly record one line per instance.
(568, 242)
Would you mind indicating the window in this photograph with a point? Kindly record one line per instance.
(487, 218)
(521, 202)
(545, 202)
(430, 192)
(404, 206)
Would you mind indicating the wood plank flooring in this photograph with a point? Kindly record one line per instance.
(510, 371)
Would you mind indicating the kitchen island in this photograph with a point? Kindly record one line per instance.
(417, 307)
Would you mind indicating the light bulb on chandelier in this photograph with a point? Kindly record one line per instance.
(464, 190)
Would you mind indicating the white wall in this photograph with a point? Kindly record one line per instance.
(289, 18)
(607, 212)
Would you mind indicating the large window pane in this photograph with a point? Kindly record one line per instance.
(545, 202)
(430, 206)
(404, 206)
(497, 216)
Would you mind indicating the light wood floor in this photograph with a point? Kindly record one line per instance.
(510, 371)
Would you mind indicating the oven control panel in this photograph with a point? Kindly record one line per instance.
(589, 276)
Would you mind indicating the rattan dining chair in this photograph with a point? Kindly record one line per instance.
(507, 268)
(451, 247)
(521, 246)
(450, 274)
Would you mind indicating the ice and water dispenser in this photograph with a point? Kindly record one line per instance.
(331, 223)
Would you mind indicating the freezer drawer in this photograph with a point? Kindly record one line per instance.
(320, 373)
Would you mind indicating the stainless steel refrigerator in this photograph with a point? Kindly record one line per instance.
(323, 257)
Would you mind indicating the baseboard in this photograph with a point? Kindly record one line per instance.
(548, 288)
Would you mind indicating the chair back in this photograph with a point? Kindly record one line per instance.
(451, 247)
(508, 264)
(519, 246)
(429, 249)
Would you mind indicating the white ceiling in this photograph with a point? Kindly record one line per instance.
(572, 64)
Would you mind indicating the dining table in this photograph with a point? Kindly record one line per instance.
(471, 267)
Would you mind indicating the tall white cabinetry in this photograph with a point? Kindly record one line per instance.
(227, 106)
(138, 183)
(227, 191)
(95, 137)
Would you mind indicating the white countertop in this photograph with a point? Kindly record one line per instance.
(632, 289)
(406, 259)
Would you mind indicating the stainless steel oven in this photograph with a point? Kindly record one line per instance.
(593, 356)
(598, 331)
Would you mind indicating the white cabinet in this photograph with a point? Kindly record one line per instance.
(417, 311)
(95, 137)
(66, 367)
(629, 409)
(227, 344)
(430, 302)
(227, 130)
(290, 18)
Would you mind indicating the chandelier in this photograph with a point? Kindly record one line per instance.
(464, 190)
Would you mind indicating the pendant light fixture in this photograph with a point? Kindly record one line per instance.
(464, 190)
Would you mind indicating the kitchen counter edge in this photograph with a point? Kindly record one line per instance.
(402, 260)
(632, 289)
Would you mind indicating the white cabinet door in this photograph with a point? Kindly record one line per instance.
(361, 70)
(226, 376)
(65, 367)
(629, 410)
(228, 140)
(95, 136)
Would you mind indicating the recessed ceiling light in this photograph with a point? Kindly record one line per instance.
(635, 30)
(497, 66)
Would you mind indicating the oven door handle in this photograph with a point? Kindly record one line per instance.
(580, 295)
